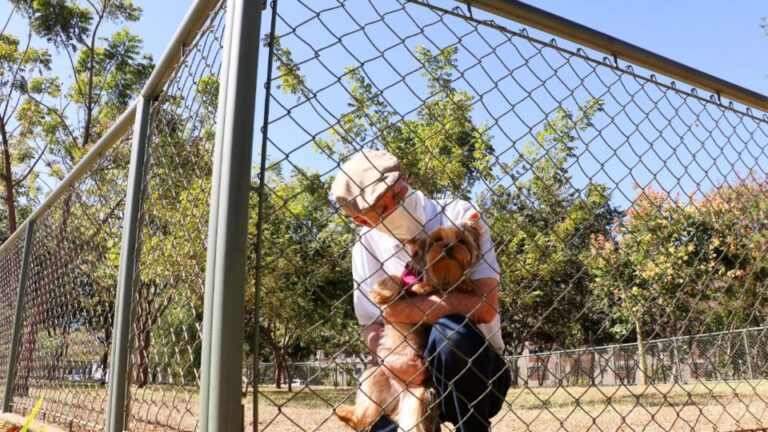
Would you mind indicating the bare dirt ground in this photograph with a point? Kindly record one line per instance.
(696, 407)
(722, 406)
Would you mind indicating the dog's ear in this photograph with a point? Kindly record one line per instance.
(474, 226)
(418, 247)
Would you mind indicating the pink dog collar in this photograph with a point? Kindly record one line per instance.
(409, 279)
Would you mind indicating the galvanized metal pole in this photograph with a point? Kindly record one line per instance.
(13, 356)
(227, 314)
(260, 222)
(207, 334)
(749, 355)
(118, 371)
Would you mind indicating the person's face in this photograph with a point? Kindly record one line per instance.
(384, 205)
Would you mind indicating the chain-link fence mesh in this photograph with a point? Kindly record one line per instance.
(68, 311)
(169, 286)
(729, 356)
(10, 269)
(69, 302)
(627, 217)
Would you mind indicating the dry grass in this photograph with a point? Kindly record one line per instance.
(700, 407)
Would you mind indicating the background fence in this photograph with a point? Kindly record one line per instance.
(727, 356)
(627, 213)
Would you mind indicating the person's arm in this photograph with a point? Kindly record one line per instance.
(372, 336)
(480, 306)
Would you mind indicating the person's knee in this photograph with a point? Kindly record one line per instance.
(455, 342)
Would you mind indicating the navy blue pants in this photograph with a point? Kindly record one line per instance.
(470, 377)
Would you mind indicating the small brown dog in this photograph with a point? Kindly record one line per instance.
(444, 258)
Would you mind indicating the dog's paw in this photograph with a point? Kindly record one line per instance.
(465, 286)
(346, 414)
(386, 290)
(422, 288)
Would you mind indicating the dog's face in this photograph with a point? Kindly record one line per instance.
(446, 255)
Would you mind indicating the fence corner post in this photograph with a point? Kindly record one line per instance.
(18, 316)
(223, 332)
(118, 368)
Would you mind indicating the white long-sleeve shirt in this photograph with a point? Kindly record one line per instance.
(376, 255)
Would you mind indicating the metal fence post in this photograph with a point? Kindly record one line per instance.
(16, 335)
(679, 374)
(225, 338)
(118, 371)
(205, 357)
(748, 354)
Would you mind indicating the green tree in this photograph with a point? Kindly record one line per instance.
(542, 228)
(48, 124)
(678, 267)
(441, 138)
(57, 121)
(306, 273)
(23, 71)
(169, 290)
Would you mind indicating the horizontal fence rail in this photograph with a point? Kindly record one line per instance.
(624, 216)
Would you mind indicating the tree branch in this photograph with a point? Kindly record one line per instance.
(10, 15)
(58, 115)
(15, 73)
(91, 71)
(32, 167)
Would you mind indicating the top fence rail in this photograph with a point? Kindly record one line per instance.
(616, 48)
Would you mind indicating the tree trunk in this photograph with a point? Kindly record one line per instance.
(141, 369)
(104, 359)
(7, 176)
(641, 352)
(279, 372)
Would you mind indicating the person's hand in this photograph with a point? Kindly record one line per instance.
(410, 368)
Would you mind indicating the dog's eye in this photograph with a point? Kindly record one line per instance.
(438, 239)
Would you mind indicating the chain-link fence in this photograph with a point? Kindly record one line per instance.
(68, 332)
(627, 215)
(170, 278)
(69, 301)
(727, 356)
(619, 268)
(10, 265)
(730, 356)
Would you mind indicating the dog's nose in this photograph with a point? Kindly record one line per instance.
(447, 248)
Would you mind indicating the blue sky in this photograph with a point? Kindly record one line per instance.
(713, 36)
(722, 38)
(719, 37)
